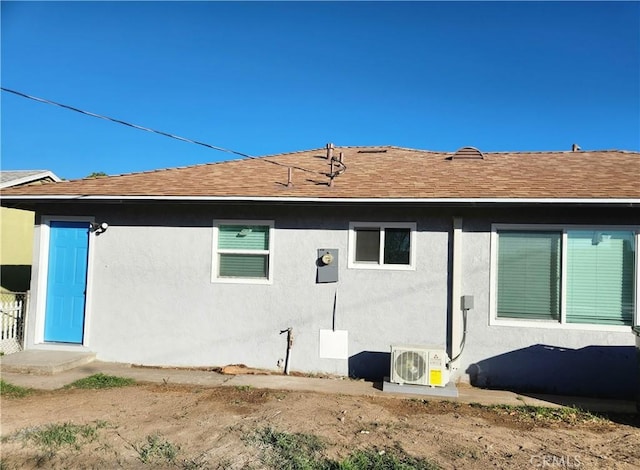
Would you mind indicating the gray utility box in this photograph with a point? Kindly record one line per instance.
(466, 302)
(327, 263)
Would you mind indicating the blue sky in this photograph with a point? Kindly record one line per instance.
(266, 77)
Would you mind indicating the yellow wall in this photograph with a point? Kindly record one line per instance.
(16, 248)
(16, 236)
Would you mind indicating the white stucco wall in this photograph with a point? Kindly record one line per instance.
(152, 301)
(568, 361)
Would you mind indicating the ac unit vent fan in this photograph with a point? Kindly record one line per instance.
(410, 366)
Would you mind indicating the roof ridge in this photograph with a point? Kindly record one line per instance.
(558, 151)
(411, 149)
(159, 170)
(394, 147)
(322, 149)
(195, 165)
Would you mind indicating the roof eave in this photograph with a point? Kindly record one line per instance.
(355, 200)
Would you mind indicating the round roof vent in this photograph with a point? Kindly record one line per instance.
(468, 153)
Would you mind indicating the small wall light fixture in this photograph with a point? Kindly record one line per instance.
(99, 227)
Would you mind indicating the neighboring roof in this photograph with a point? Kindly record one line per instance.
(21, 177)
(374, 173)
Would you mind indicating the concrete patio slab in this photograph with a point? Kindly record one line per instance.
(330, 385)
(448, 391)
(44, 362)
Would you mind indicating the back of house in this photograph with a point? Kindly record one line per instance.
(521, 267)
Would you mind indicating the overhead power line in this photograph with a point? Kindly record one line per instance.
(166, 134)
(124, 123)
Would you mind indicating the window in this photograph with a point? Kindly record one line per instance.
(242, 251)
(565, 275)
(529, 275)
(600, 277)
(381, 246)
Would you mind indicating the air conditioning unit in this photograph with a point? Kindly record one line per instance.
(419, 365)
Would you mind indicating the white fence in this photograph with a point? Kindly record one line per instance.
(12, 315)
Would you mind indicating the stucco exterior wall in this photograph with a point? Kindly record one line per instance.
(552, 360)
(152, 301)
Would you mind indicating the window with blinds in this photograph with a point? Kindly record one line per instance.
(600, 277)
(242, 251)
(529, 275)
(569, 276)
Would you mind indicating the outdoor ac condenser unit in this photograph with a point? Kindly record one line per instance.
(419, 365)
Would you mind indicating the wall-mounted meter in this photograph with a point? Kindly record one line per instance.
(327, 263)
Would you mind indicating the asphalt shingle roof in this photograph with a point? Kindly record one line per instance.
(379, 172)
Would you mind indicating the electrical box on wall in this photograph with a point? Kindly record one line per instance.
(327, 263)
(334, 344)
(466, 302)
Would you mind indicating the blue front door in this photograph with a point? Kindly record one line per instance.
(66, 281)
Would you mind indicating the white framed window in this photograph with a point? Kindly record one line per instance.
(563, 276)
(243, 251)
(374, 245)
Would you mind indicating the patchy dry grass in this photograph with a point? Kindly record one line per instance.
(543, 414)
(157, 450)
(52, 437)
(298, 451)
(98, 381)
(13, 391)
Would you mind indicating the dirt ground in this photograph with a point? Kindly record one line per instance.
(209, 428)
